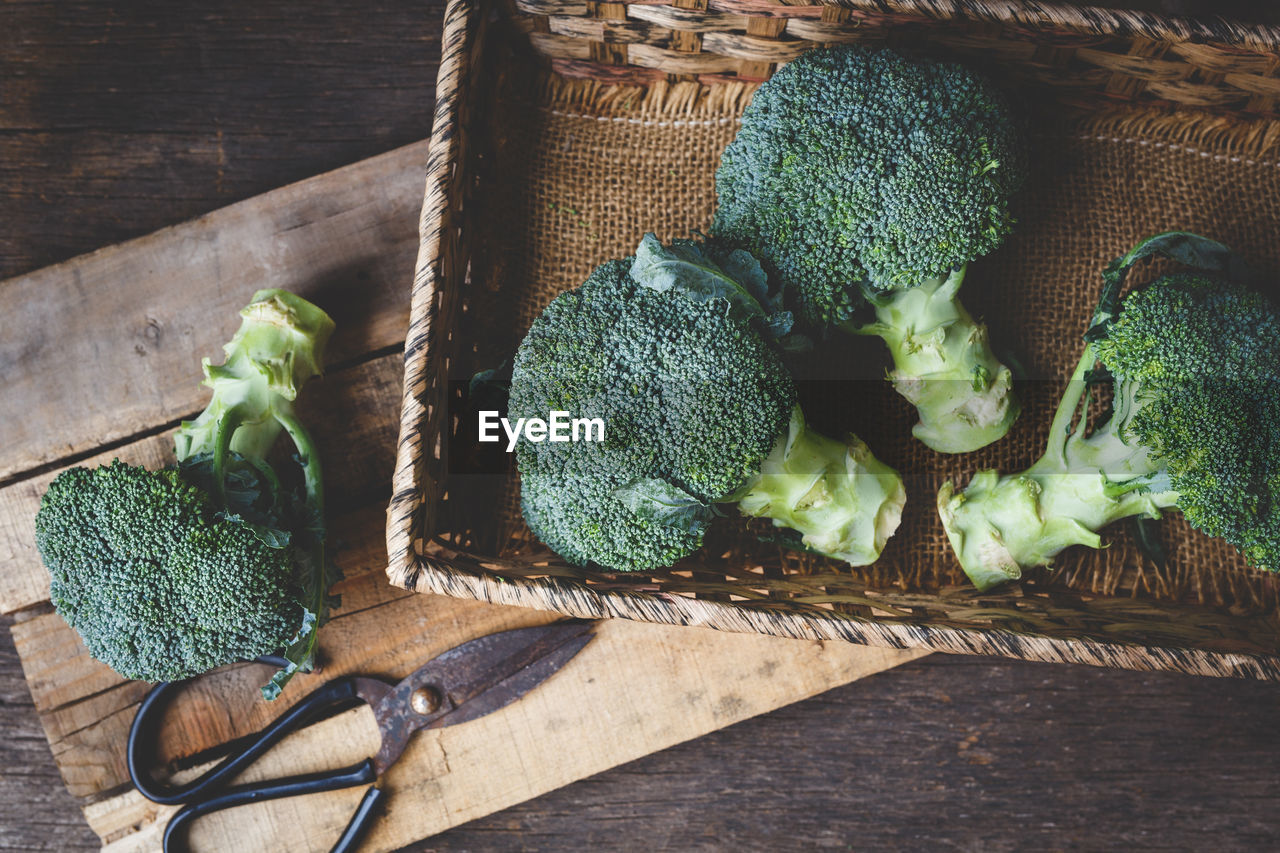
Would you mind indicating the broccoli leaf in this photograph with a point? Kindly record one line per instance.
(1182, 246)
(247, 503)
(791, 540)
(778, 325)
(742, 266)
(669, 505)
(1146, 535)
(489, 388)
(272, 537)
(703, 273)
(299, 655)
(685, 268)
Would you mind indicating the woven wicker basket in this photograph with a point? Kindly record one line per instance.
(601, 88)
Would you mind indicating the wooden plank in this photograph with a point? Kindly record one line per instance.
(636, 689)
(947, 753)
(358, 453)
(122, 118)
(118, 334)
(36, 812)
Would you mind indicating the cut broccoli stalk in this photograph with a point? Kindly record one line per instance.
(943, 364)
(274, 352)
(843, 501)
(1000, 525)
(278, 347)
(1193, 360)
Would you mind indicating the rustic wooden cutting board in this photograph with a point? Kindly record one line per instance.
(99, 358)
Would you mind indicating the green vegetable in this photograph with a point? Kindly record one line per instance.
(680, 360)
(166, 574)
(861, 177)
(1194, 364)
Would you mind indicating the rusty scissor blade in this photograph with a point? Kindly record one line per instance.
(517, 685)
(474, 679)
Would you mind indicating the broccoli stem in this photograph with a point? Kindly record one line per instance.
(999, 526)
(224, 427)
(308, 458)
(274, 352)
(278, 347)
(302, 649)
(844, 501)
(943, 364)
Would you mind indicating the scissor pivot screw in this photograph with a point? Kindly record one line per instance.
(424, 701)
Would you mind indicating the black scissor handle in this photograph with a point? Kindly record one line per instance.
(202, 794)
(292, 786)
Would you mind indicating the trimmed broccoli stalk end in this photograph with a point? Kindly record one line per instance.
(1000, 525)
(943, 365)
(278, 347)
(843, 501)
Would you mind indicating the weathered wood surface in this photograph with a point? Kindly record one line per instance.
(636, 689)
(117, 119)
(341, 240)
(942, 753)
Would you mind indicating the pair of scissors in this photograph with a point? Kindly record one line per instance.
(466, 682)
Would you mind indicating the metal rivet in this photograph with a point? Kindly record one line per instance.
(424, 701)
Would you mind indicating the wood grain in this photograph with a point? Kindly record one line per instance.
(945, 753)
(122, 118)
(344, 240)
(635, 689)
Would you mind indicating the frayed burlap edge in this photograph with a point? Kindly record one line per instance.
(1216, 135)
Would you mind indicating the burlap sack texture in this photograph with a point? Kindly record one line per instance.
(579, 171)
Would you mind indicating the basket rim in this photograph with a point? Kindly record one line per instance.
(1045, 16)
(408, 569)
(1094, 20)
(420, 341)
(438, 576)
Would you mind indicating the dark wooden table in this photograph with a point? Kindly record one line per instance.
(120, 118)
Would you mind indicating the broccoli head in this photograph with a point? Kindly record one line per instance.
(159, 584)
(1194, 364)
(860, 177)
(671, 349)
(166, 574)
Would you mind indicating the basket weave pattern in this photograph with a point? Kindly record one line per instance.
(527, 193)
(1077, 53)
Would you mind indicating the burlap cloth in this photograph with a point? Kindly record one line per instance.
(577, 172)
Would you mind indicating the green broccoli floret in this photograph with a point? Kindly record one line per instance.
(672, 349)
(1194, 363)
(166, 574)
(862, 177)
(157, 582)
